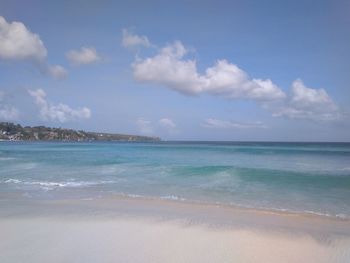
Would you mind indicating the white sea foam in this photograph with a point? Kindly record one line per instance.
(132, 195)
(166, 197)
(342, 216)
(13, 181)
(47, 185)
(173, 197)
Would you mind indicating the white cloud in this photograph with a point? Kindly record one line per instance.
(8, 113)
(17, 42)
(144, 126)
(167, 123)
(60, 112)
(170, 69)
(57, 71)
(85, 55)
(151, 127)
(308, 103)
(132, 40)
(230, 81)
(223, 124)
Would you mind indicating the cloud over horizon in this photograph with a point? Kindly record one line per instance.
(167, 123)
(57, 112)
(149, 128)
(7, 112)
(308, 103)
(144, 126)
(224, 124)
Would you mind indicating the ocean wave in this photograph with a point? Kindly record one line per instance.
(49, 185)
(7, 158)
(15, 181)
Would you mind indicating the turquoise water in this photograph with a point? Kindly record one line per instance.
(298, 177)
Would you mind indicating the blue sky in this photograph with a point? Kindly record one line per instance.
(197, 70)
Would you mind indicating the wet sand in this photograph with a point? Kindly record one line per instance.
(121, 229)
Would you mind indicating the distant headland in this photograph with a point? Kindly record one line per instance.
(15, 132)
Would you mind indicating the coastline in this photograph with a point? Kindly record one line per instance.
(130, 202)
(147, 230)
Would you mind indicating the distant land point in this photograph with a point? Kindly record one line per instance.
(15, 132)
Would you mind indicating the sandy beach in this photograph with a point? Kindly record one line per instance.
(121, 229)
(174, 131)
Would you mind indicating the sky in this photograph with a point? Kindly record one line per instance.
(180, 70)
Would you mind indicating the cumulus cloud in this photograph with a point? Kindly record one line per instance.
(85, 55)
(57, 112)
(224, 124)
(17, 42)
(144, 126)
(308, 103)
(132, 40)
(170, 68)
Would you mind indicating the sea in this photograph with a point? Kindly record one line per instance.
(308, 178)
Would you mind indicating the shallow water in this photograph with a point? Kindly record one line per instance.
(298, 177)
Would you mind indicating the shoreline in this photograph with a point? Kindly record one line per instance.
(233, 206)
(224, 215)
(179, 200)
